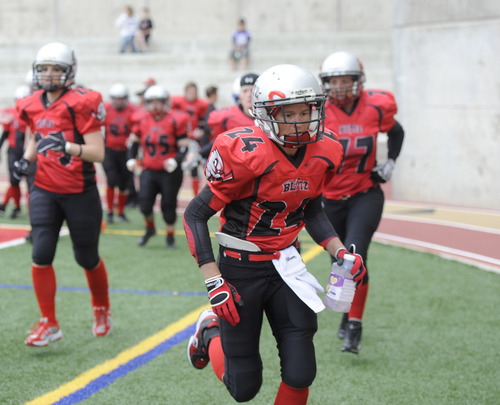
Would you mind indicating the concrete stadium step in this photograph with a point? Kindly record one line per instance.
(173, 61)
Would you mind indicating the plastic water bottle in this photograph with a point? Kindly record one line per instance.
(341, 287)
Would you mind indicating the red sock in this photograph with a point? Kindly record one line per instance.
(216, 356)
(16, 195)
(150, 224)
(122, 202)
(110, 198)
(170, 233)
(44, 283)
(196, 186)
(358, 303)
(7, 197)
(97, 280)
(291, 396)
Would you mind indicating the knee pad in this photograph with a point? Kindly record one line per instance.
(243, 383)
(88, 258)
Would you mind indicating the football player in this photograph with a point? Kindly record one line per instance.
(267, 180)
(197, 109)
(64, 136)
(162, 135)
(226, 118)
(353, 198)
(118, 125)
(13, 133)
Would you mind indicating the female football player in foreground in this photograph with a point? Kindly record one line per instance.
(353, 199)
(64, 132)
(267, 180)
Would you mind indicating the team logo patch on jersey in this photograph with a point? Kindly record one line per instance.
(215, 170)
(295, 185)
(100, 115)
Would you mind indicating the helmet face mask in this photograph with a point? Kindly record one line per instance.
(342, 64)
(54, 54)
(279, 93)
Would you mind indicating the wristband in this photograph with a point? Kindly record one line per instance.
(81, 150)
(67, 146)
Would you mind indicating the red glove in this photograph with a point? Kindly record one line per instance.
(358, 269)
(224, 298)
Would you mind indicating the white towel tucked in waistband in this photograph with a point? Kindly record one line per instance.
(294, 273)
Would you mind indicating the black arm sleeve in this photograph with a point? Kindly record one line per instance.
(134, 150)
(205, 149)
(5, 134)
(181, 154)
(317, 223)
(196, 216)
(395, 138)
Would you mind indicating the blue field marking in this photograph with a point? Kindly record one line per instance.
(106, 379)
(111, 290)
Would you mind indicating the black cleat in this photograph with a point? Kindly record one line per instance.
(144, 238)
(15, 213)
(342, 327)
(109, 218)
(122, 218)
(352, 341)
(170, 242)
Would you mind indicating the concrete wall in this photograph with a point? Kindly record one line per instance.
(447, 81)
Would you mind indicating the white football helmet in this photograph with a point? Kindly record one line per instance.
(157, 92)
(58, 54)
(118, 90)
(118, 93)
(342, 64)
(284, 85)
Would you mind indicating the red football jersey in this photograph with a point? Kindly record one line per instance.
(76, 113)
(226, 118)
(118, 126)
(261, 190)
(196, 109)
(358, 133)
(159, 138)
(15, 129)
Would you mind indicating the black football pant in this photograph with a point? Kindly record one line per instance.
(154, 182)
(115, 167)
(293, 324)
(83, 215)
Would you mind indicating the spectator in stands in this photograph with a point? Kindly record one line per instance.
(145, 27)
(241, 41)
(128, 24)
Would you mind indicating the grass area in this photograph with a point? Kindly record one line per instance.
(430, 330)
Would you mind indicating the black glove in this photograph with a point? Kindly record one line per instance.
(54, 141)
(20, 169)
